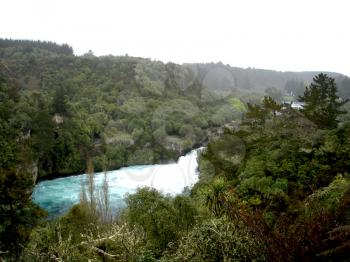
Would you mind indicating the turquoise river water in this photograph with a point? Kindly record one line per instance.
(58, 195)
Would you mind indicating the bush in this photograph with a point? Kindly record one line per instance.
(217, 240)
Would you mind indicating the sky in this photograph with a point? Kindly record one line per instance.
(285, 35)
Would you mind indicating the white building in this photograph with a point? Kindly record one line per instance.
(297, 105)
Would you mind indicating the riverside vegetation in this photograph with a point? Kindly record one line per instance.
(274, 184)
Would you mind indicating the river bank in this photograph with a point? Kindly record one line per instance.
(98, 170)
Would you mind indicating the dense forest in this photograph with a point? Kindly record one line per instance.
(115, 110)
(274, 181)
(126, 110)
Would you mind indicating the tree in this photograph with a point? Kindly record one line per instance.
(18, 215)
(217, 239)
(9, 125)
(271, 105)
(59, 104)
(216, 196)
(185, 212)
(322, 105)
(155, 214)
(41, 132)
(256, 114)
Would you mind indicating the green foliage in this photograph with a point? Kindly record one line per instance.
(18, 215)
(225, 153)
(328, 198)
(322, 102)
(131, 110)
(237, 104)
(9, 124)
(257, 114)
(218, 240)
(28, 46)
(285, 188)
(117, 242)
(270, 104)
(216, 196)
(162, 218)
(98, 103)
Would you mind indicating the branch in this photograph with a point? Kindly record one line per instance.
(103, 252)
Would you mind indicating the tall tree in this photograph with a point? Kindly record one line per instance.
(18, 215)
(60, 102)
(270, 104)
(322, 104)
(256, 114)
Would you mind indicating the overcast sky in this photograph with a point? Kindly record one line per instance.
(292, 35)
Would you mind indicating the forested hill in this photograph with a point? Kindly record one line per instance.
(30, 46)
(121, 110)
(225, 78)
(213, 76)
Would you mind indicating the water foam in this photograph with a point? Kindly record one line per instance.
(58, 195)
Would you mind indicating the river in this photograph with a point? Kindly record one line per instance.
(57, 196)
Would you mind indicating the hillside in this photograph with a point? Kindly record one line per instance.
(125, 110)
(116, 111)
(225, 78)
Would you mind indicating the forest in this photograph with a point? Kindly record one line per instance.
(274, 180)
